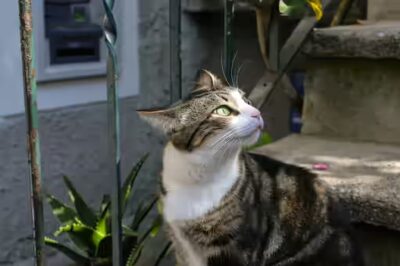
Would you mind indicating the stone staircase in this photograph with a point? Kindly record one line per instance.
(351, 124)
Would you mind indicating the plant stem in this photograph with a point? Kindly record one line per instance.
(343, 8)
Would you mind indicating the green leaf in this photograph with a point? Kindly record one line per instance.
(152, 230)
(141, 213)
(105, 203)
(134, 255)
(155, 227)
(297, 8)
(104, 249)
(160, 207)
(73, 254)
(129, 232)
(130, 181)
(264, 139)
(130, 240)
(165, 251)
(103, 225)
(64, 213)
(87, 237)
(86, 215)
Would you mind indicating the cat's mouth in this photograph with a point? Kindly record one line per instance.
(252, 137)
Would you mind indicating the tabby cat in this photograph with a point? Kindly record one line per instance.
(224, 206)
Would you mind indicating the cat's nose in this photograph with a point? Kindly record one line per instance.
(255, 114)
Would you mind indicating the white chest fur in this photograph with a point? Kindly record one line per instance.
(195, 182)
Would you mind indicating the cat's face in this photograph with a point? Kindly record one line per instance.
(214, 116)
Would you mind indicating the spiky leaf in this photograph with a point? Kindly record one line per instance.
(141, 213)
(155, 227)
(73, 254)
(86, 215)
(130, 181)
(64, 213)
(130, 241)
(129, 232)
(134, 255)
(105, 203)
(165, 251)
(103, 225)
(152, 230)
(104, 248)
(86, 235)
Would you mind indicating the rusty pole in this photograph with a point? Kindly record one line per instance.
(31, 111)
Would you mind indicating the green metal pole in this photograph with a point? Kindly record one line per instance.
(110, 31)
(228, 39)
(175, 50)
(31, 111)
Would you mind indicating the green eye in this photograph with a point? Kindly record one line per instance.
(223, 111)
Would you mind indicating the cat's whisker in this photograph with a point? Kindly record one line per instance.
(232, 68)
(223, 71)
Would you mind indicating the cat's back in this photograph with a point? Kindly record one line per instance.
(309, 218)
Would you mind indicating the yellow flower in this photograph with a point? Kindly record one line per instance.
(316, 6)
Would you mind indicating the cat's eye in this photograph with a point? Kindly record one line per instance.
(223, 111)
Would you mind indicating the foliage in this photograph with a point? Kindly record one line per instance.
(90, 231)
(299, 7)
(264, 139)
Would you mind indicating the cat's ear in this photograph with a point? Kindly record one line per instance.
(208, 81)
(165, 119)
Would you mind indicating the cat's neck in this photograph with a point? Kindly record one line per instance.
(183, 169)
(196, 181)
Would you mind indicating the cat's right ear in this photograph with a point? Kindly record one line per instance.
(165, 120)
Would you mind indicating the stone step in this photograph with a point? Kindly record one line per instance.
(351, 85)
(379, 40)
(365, 176)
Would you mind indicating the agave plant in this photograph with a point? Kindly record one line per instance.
(90, 231)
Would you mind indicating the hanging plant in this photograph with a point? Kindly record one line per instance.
(299, 7)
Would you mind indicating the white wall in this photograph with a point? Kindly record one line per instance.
(65, 93)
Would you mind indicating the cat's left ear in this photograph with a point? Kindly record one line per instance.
(208, 81)
(167, 120)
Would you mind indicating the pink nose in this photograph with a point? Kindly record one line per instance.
(257, 115)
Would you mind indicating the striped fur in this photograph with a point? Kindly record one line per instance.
(227, 207)
(275, 214)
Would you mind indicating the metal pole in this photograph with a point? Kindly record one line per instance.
(31, 111)
(110, 31)
(228, 39)
(175, 50)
